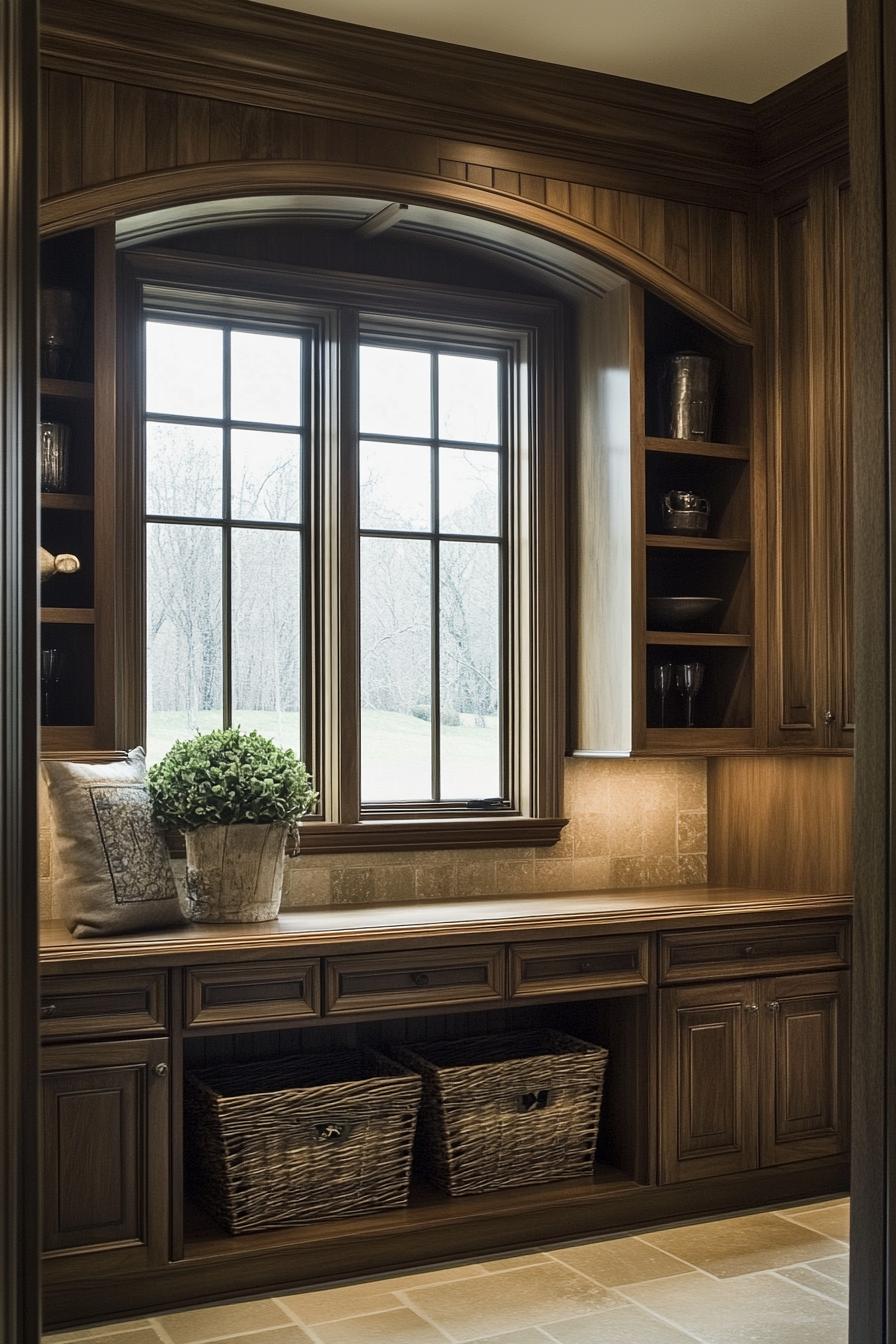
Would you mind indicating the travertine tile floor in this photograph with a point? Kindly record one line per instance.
(765, 1278)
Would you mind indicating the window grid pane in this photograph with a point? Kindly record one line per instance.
(455, 599)
(247, 479)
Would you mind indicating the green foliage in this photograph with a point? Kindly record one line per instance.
(228, 776)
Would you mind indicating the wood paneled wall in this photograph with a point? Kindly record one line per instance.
(98, 132)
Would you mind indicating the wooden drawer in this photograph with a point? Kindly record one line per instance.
(125, 1003)
(719, 954)
(573, 966)
(256, 994)
(393, 981)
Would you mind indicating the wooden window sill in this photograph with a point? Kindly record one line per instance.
(480, 832)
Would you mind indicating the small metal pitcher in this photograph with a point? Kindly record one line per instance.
(54, 459)
(685, 513)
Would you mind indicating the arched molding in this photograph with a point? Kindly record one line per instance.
(218, 182)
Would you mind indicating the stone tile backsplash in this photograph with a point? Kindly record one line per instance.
(633, 823)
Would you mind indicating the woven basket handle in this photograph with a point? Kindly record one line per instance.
(537, 1100)
(332, 1132)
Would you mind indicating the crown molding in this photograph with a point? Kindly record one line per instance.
(271, 57)
(803, 125)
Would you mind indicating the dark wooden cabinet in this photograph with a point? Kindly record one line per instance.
(810, 491)
(804, 1062)
(105, 1156)
(753, 1073)
(709, 1123)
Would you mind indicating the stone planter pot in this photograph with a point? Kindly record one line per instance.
(235, 873)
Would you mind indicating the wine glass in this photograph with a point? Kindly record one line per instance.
(662, 684)
(49, 679)
(689, 679)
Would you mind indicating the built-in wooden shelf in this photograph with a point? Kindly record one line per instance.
(427, 1209)
(662, 541)
(76, 503)
(67, 739)
(70, 389)
(699, 639)
(698, 448)
(67, 615)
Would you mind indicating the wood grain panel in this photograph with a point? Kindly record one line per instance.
(753, 950)
(839, 461)
(161, 129)
(98, 138)
(130, 130)
(192, 130)
(781, 821)
(63, 133)
(124, 1003)
(105, 1137)
(798, 587)
(708, 1080)
(240, 996)
(225, 128)
(805, 1051)
(393, 982)
(548, 969)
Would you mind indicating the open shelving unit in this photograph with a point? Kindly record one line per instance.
(617, 1019)
(76, 609)
(624, 559)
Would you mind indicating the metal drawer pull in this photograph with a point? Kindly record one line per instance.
(160, 1070)
(48, 1010)
(752, 1007)
(333, 1132)
(420, 978)
(749, 950)
(587, 966)
(774, 1006)
(534, 1101)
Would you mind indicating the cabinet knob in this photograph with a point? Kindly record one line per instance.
(48, 1010)
(587, 966)
(829, 716)
(752, 1007)
(774, 1006)
(160, 1070)
(420, 978)
(749, 949)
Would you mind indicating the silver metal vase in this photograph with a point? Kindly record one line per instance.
(690, 382)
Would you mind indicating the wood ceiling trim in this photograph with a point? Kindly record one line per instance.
(277, 58)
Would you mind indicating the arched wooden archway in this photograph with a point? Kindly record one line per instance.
(217, 182)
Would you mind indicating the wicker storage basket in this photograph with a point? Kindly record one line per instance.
(514, 1109)
(292, 1140)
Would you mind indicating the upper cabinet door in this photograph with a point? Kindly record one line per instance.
(838, 468)
(798, 593)
(105, 1149)
(709, 1120)
(804, 1045)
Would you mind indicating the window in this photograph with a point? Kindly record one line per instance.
(225, 448)
(433, 575)
(351, 542)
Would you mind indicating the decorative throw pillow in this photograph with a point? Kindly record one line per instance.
(112, 870)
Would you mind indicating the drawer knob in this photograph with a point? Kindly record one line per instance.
(752, 1007)
(774, 1006)
(160, 1070)
(587, 966)
(829, 716)
(48, 1010)
(420, 979)
(749, 950)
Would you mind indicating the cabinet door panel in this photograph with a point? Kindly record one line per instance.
(708, 1111)
(839, 467)
(805, 1042)
(798, 589)
(105, 1154)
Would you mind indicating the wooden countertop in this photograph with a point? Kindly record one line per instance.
(333, 929)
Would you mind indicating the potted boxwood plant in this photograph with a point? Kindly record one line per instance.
(236, 797)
